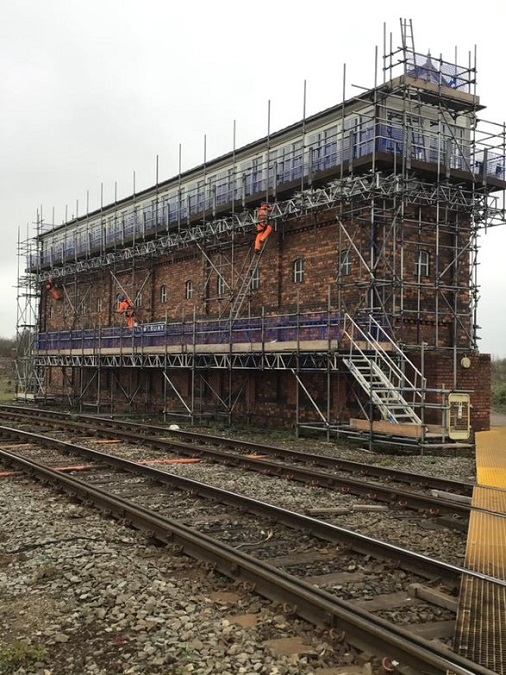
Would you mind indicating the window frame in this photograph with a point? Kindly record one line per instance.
(189, 289)
(298, 271)
(422, 264)
(221, 286)
(345, 263)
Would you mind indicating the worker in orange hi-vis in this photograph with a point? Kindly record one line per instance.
(126, 307)
(51, 288)
(264, 228)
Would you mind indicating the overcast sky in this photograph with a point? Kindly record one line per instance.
(92, 91)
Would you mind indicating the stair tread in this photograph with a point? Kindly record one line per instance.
(374, 373)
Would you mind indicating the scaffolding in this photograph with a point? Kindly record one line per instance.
(29, 377)
(409, 177)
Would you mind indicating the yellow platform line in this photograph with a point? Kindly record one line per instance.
(481, 619)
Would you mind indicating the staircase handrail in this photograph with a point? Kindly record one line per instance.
(418, 375)
(378, 348)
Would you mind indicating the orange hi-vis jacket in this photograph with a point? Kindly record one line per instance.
(263, 215)
(126, 307)
(50, 287)
(264, 228)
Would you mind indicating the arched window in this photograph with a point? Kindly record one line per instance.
(189, 290)
(298, 271)
(255, 279)
(163, 294)
(345, 264)
(222, 286)
(422, 266)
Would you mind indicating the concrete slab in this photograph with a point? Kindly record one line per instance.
(289, 646)
(342, 670)
(225, 597)
(244, 620)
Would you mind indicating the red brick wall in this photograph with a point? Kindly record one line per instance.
(268, 398)
(89, 301)
(444, 371)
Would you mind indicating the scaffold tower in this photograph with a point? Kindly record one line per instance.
(386, 194)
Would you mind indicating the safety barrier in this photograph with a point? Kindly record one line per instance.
(142, 220)
(287, 328)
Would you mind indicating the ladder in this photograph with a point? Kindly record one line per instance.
(408, 39)
(371, 362)
(245, 285)
(237, 300)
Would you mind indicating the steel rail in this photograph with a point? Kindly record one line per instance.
(435, 482)
(360, 543)
(387, 494)
(336, 462)
(362, 629)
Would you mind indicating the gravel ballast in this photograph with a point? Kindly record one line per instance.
(83, 594)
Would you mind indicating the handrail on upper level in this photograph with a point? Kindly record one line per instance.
(303, 326)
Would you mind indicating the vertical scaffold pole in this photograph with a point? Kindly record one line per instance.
(303, 142)
(268, 160)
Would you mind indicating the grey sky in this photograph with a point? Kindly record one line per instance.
(92, 91)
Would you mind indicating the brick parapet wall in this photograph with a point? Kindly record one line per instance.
(445, 371)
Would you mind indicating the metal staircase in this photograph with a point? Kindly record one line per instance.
(381, 367)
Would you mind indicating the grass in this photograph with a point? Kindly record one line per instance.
(499, 397)
(20, 655)
(6, 388)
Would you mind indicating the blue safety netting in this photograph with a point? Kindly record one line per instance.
(314, 326)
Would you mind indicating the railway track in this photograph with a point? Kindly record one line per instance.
(318, 556)
(437, 497)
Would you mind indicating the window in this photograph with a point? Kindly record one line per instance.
(255, 279)
(189, 289)
(231, 184)
(138, 298)
(298, 271)
(345, 264)
(81, 306)
(281, 165)
(454, 143)
(297, 159)
(395, 133)
(163, 294)
(422, 266)
(418, 139)
(181, 202)
(200, 196)
(99, 304)
(256, 174)
(316, 150)
(222, 286)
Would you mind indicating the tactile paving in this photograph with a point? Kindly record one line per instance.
(480, 633)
